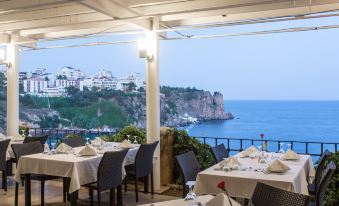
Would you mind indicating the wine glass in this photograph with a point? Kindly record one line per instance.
(135, 140)
(87, 141)
(53, 151)
(23, 133)
(281, 150)
(128, 137)
(289, 146)
(191, 196)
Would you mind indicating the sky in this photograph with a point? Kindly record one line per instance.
(288, 66)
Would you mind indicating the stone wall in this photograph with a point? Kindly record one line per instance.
(166, 155)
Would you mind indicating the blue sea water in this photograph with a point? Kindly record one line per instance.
(281, 120)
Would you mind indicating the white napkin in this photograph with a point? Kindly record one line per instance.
(88, 150)
(231, 162)
(251, 150)
(125, 144)
(46, 148)
(222, 200)
(291, 155)
(277, 166)
(63, 148)
(96, 141)
(18, 138)
(2, 137)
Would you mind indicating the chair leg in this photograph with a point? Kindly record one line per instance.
(183, 190)
(136, 189)
(146, 184)
(152, 185)
(64, 186)
(99, 198)
(91, 195)
(125, 181)
(4, 180)
(112, 197)
(42, 197)
(16, 193)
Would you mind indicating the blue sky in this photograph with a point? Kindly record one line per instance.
(289, 66)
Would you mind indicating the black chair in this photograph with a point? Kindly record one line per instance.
(28, 149)
(265, 195)
(74, 142)
(219, 152)
(312, 188)
(41, 139)
(3, 162)
(109, 175)
(189, 167)
(142, 167)
(324, 182)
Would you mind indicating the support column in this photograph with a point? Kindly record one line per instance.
(153, 99)
(13, 90)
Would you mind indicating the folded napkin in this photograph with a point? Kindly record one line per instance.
(277, 166)
(125, 144)
(251, 150)
(63, 148)
(2, 137)
(291, 155)
(88, 150)
(222, 200)
(231, 162)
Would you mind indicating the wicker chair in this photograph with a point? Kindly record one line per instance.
(324, 182)
(41, 139)
(142, 167)
(3, 162)
(312, 188)
(28, 149)
(74, 142)
(219, 152)
(189, 167)
(109, 175)
(265, 195)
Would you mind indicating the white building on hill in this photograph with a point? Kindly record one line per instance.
(134, 78)
(35, 85)
(71, 73)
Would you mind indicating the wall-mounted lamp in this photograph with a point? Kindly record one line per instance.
(145, 46)
(3, 57)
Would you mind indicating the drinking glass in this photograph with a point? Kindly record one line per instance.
(135, 140)
(53, 151)
(87, 141)
(128, 137)
(23, 133)
(281, 151)
(289, 146)
(191, 196)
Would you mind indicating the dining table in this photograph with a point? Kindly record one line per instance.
(181, 202)
(242, 181)
(79, 170)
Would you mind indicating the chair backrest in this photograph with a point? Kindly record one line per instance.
(324, 182)
(144, 159)
(219, 152)
(189, 166)
(320, 168)
(26, 149)
(265, 195)
(41, 139)
(110, 170)
(3, 153)
(74, 142)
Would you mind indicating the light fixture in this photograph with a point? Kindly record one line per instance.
(144, 46)
(3, 57)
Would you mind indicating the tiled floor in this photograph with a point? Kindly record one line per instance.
(53, 195)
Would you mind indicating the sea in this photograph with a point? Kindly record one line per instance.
(315, 121)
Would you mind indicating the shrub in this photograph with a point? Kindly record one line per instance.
(128, 130)
(332, 192)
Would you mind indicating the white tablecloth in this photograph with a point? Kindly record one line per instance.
(181, 202)
(81, 170)
(10, 153)
(242, 183)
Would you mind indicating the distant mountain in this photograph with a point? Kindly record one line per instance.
(114, 109)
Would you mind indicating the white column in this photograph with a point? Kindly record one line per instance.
(153, 99)
(13, 90)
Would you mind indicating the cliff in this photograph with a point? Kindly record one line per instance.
(114, 109)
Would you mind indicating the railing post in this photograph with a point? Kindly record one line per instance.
(216, 141)
(306, 147)
(322, 148)
(241, 145)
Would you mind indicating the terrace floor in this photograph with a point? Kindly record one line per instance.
(53, 195)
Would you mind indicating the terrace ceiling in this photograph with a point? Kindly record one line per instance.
(49, 19)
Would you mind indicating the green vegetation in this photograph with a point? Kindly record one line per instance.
(332, 192)
(128, 130)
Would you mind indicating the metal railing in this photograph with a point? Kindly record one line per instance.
(313, 148)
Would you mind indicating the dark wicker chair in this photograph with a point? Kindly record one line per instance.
(265, 195)
(3, 162)
(28, 149)
(312, 188)
(219, 152)
(74, 142)
(41, 139)
(109, 175)
(324, 182)
(189, 167)
(142, 167)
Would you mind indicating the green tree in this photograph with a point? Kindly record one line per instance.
(94, 123)
(2, 81)
(72, 90)
(131, 87)
(81, 121)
